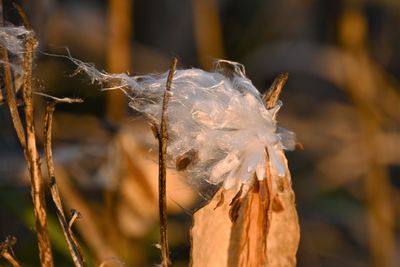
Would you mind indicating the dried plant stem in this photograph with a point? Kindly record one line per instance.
(207, 30)
(11, 100)
(378, 192)
(23, 16)
(75, 250)
(119, 53)
(270, 98)
(163, 138)
(362, 84)
(2, 49)
(91, 230)
(10, 92)
(33, 159)
(1, 95)
(6, 251)
(12, 105)
(7, 255)
(28, 143)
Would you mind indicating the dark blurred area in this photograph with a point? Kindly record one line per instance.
(342, 100)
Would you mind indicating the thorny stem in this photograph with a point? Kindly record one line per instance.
(75, 250)
(163, 138)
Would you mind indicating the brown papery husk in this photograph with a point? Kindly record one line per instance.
(265, 231)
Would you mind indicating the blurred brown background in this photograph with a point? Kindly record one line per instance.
(342, 100)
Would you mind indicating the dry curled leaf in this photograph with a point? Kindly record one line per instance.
(211, 232)
(265, 231)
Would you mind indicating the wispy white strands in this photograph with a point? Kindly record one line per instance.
(217, 118)
(13, 38)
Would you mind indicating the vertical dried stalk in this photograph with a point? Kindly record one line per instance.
(90, 231)
(39, 204)
(118, 57)
(378, 192)
(29, 144)
(1, 24)
(11, 101)
(1, 95)
(75, 250)
(23, 16)
(207, 30)
(10, 92)
(1, 51)
(118, 52)
(163, 138)
(362, 85)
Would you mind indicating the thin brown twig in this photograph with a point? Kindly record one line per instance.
(28, 143)
(6, 251)
(1, 95)
(55, 100)
(73, 246)
(10, 92)
(91, 230)
(207, 31)
(270, 98)
(163, 138)
(23, 16)
(11, 99)
(75, 215)
(7, 255)
(39, 204)
(119, 53)
(1, 24)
